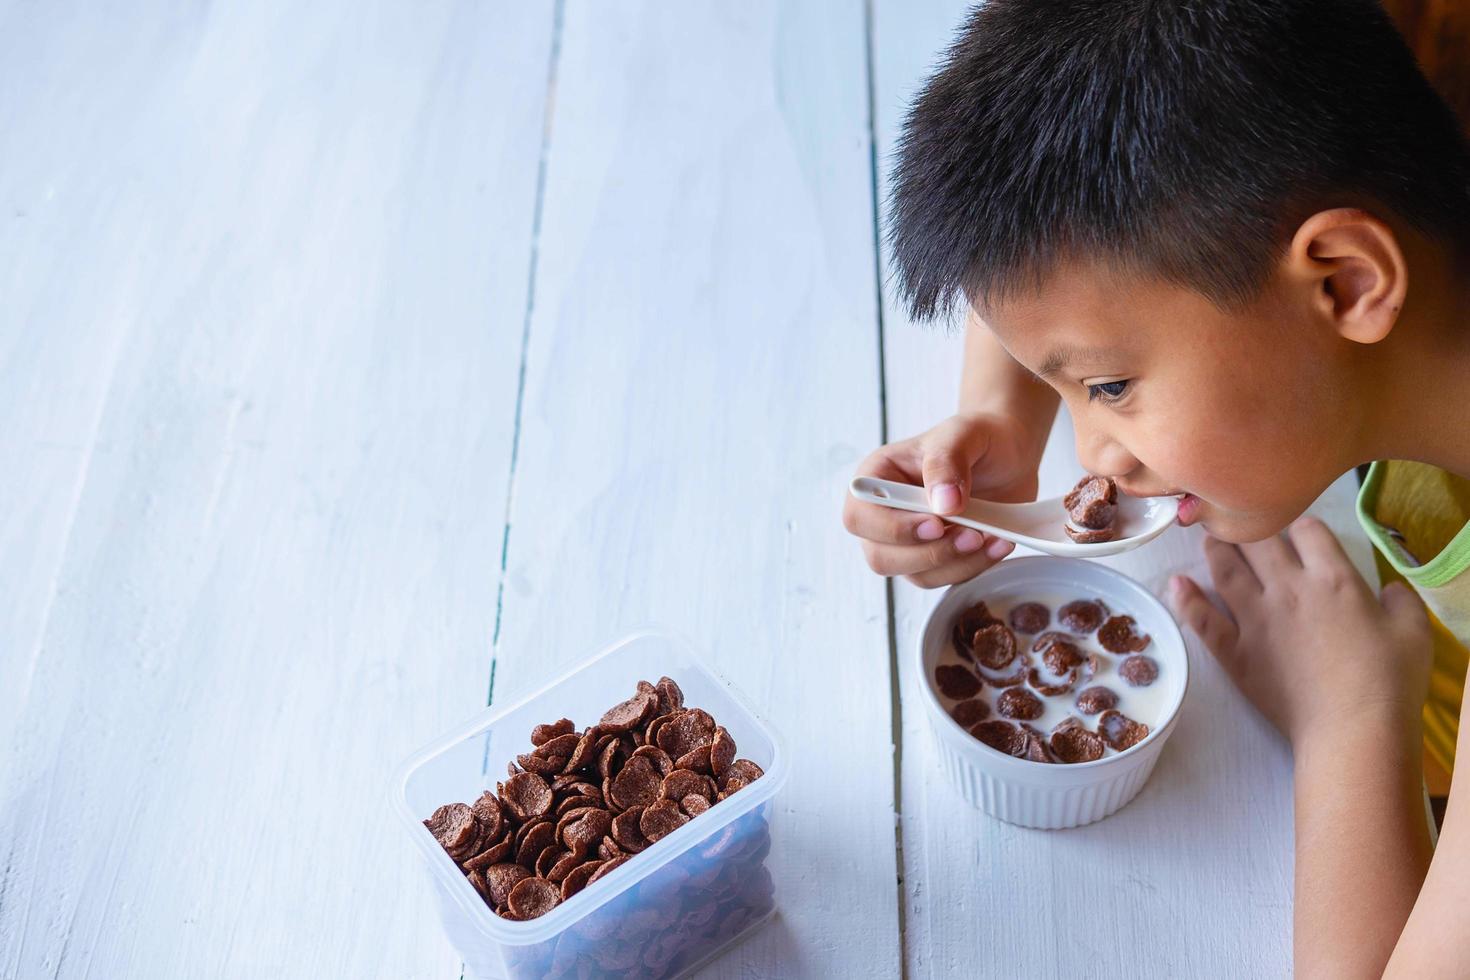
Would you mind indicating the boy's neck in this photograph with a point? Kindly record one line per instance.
(1419, 390)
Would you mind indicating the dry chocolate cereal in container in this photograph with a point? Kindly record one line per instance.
(1080, 674)
(628, 837)
(646, 784)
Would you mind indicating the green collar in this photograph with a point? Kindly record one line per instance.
(1437, 571)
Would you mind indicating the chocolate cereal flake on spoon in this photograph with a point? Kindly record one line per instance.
(1042, 524)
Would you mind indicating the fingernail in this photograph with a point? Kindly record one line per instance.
(998, 548)
(967, 541)
(945, 499)
(930, 531)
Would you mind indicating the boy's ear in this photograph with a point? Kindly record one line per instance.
(1356, 270)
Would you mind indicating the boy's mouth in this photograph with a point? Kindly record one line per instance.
(1189, 507)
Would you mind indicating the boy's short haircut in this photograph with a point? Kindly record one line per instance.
(1183, 139)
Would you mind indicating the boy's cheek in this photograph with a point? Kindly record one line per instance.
(1242, 514)
(1240, 508)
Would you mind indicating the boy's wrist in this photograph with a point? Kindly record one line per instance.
(1379, 731)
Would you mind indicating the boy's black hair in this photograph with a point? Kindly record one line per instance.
(1179, 138)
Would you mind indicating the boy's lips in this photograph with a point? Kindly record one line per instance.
(1189, 506)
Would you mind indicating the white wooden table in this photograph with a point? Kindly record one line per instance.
(359, 362)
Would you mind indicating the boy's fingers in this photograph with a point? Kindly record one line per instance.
(1215, 629)
(893, 559)
(1404, 606)
(947, 481)
(884, 525)
(965, 568)
(962, 553)
(1323, 557)
(898, 463)
(1316, 543)
(1271, 557)
(949, 454)
(1233, 577)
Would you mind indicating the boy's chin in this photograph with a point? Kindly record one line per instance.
(1238, 527)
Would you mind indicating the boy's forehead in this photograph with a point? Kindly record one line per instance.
(1064, 325)
(1083, 316)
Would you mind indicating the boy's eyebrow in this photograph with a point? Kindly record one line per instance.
(1060, 357)
(1053, 363)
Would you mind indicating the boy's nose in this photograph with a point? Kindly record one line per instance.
(1101, 455)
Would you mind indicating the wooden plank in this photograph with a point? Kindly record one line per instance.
(1203, 857)
(265, 276)
(701, 373)
(52, 382)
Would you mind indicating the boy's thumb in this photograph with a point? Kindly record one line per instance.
(947, 481)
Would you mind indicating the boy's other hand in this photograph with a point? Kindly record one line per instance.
(1306, 640)
(970, 454)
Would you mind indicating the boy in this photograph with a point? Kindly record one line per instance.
(1233, 236)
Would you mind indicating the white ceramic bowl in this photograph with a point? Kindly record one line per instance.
(1034, 794)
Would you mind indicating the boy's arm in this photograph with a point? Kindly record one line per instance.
(1342, 673)
(992, 382)
(1436, 940)
(1362, 842)
(990, 448)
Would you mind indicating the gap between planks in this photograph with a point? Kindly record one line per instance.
(553, 62)
(875, 180)
(537, 207)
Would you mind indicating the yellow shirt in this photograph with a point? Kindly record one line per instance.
(1418, 517)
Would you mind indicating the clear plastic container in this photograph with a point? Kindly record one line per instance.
(665, 912)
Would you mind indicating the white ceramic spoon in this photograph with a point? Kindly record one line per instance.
(1038, 524)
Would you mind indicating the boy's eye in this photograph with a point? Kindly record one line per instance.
(1109, 391)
